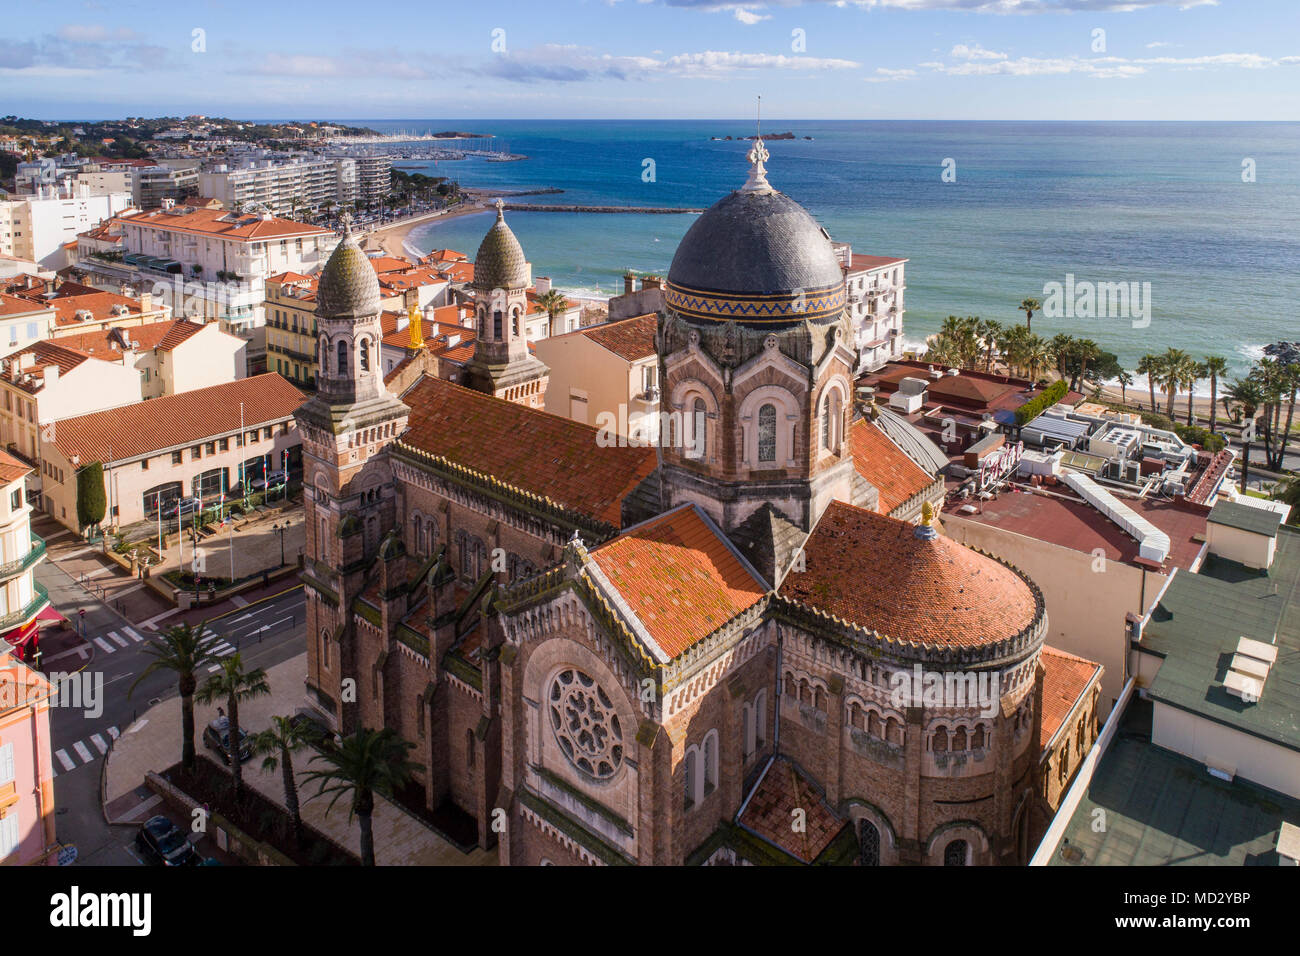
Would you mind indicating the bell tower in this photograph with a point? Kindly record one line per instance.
(349, 496)
(502, 364)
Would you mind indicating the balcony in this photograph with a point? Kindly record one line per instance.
(650, 396)
(14, 568)
(40, 600)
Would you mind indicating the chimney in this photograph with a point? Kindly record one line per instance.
(146, 302)
(652, 282)
(543, 285)
(51, 374)
(26, 361)
(629, 283)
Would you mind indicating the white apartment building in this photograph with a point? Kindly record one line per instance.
(875, 287)
(37, 227)
(288, 186)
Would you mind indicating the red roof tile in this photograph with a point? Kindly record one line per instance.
(770, 811)
(11, 469)
(105, 342)
(867, 263)
(220, 222)
(73, 297)
(524, 447)
(885, 465)
(929, 591)
(175, 420)
(1065, 679)
(679, 577)
(45, 353)
(629, 339)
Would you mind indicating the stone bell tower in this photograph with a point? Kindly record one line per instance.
(502, 364)
(349, 498)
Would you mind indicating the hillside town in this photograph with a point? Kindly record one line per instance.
(621, 582)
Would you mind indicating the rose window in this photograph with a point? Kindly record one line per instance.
(585, 724)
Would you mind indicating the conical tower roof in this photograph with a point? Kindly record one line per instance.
(500, 262)
(348, 284)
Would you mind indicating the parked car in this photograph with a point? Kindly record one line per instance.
(271, 480)
(164, 842)
(217, 736)
(181, 506)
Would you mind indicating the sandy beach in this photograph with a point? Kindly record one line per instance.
(391, 239)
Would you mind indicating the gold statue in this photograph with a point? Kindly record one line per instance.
(415, 323)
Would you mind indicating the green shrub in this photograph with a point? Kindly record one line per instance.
(91, 502)
(1045, 400)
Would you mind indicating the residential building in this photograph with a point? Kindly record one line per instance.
(27, 807)
(152, 186)
(22, 601)
(79, 308)
(283, 187)
(875, 287)
(23, 322)
(200, 443)
(37, 227)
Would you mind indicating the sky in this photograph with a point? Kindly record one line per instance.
(655, 59)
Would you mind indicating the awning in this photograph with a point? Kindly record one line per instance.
(49, 614)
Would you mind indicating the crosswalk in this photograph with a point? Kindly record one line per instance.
(224, 649)
(103, 643)
(82, 751)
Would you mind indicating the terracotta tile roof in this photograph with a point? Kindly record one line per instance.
(45, 353)
(460, 272)
(11, 469)
(877, 459)
(532, 295)
(968, 390)
(401, 338)
(73, 297)
(873, 571)
(630, 339)
(290, 277)
(859, 263)
(223, 223)
(18, 305)
(176, 420)
(679, 577)
(382, 264)
(1065, 679)
(106, 342)
(783, 790)
(445, 255)
(530, 449)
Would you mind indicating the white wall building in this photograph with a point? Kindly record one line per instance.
(36, 227)
(875, 287)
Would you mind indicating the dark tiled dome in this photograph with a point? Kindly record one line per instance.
(348, 284)
(750, 256)
(499, 262)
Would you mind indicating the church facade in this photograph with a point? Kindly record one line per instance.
(752, 644)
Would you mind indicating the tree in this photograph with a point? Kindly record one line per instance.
(1125, 379)
(990, 332)
(277, 745)
(184, 650)
(1061, 345)
(232, 684)
(1038, 356)
(366, 763)
(91, 503)
(1173, 367)
(1080, 353)
(1193, 372)
(1247, 396)
(1213, 367)
(1029, 307)
(1149, 365)
(552, 303)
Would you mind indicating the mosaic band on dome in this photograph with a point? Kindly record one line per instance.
(780, 308)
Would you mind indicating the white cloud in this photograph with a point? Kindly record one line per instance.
(884, 75)
(965, 6)
(976, 52)
(749, 18)
(1105, 67)
(96, 33)
(568, 63)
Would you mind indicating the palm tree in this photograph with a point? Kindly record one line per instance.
(1125, 379)
(232, 684)
(183, 649)
(552, 302)
(1247, 395)
(1193, 372)
(989, 331)
(1061, 345)
(1084, 350)
(1038, 356)
(277, 745)
(1014, 346)
(1212, 368)
(1029, 307)
(1149, 365)
(1173, 369)
(366, 763)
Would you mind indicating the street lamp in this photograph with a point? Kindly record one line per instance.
(280, 529)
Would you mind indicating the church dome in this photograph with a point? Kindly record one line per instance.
(758, 257)
(348, 284)
(499, 262)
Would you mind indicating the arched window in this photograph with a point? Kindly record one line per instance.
(514, 322)
(977, 739)
(699, 430)
(760, 717)
(940, 744)
(418, 536)
(343, 357)
(767, 433)
(469, 748)
(954, 854)
(959, 739)
(710, 762)
(496, 324)
(832, 421)
(868, 843)
(325, 648)
(365, 355)
(689, 775)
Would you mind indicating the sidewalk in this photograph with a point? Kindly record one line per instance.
(153, 743)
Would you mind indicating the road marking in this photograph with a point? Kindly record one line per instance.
(100, 744)
(104, 646)
(223, 649)
(73, 554)
(58, 534)
(239, 601)
(133, 635)
(213, 669)
(112, 733)
(119, 641)
(101, 570)
(129, 590)
(65, 760)
(152, 623)
(83, 752)
(137, 726)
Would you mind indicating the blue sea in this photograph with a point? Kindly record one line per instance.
(1158, 203)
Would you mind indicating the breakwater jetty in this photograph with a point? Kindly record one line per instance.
(654, 210)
